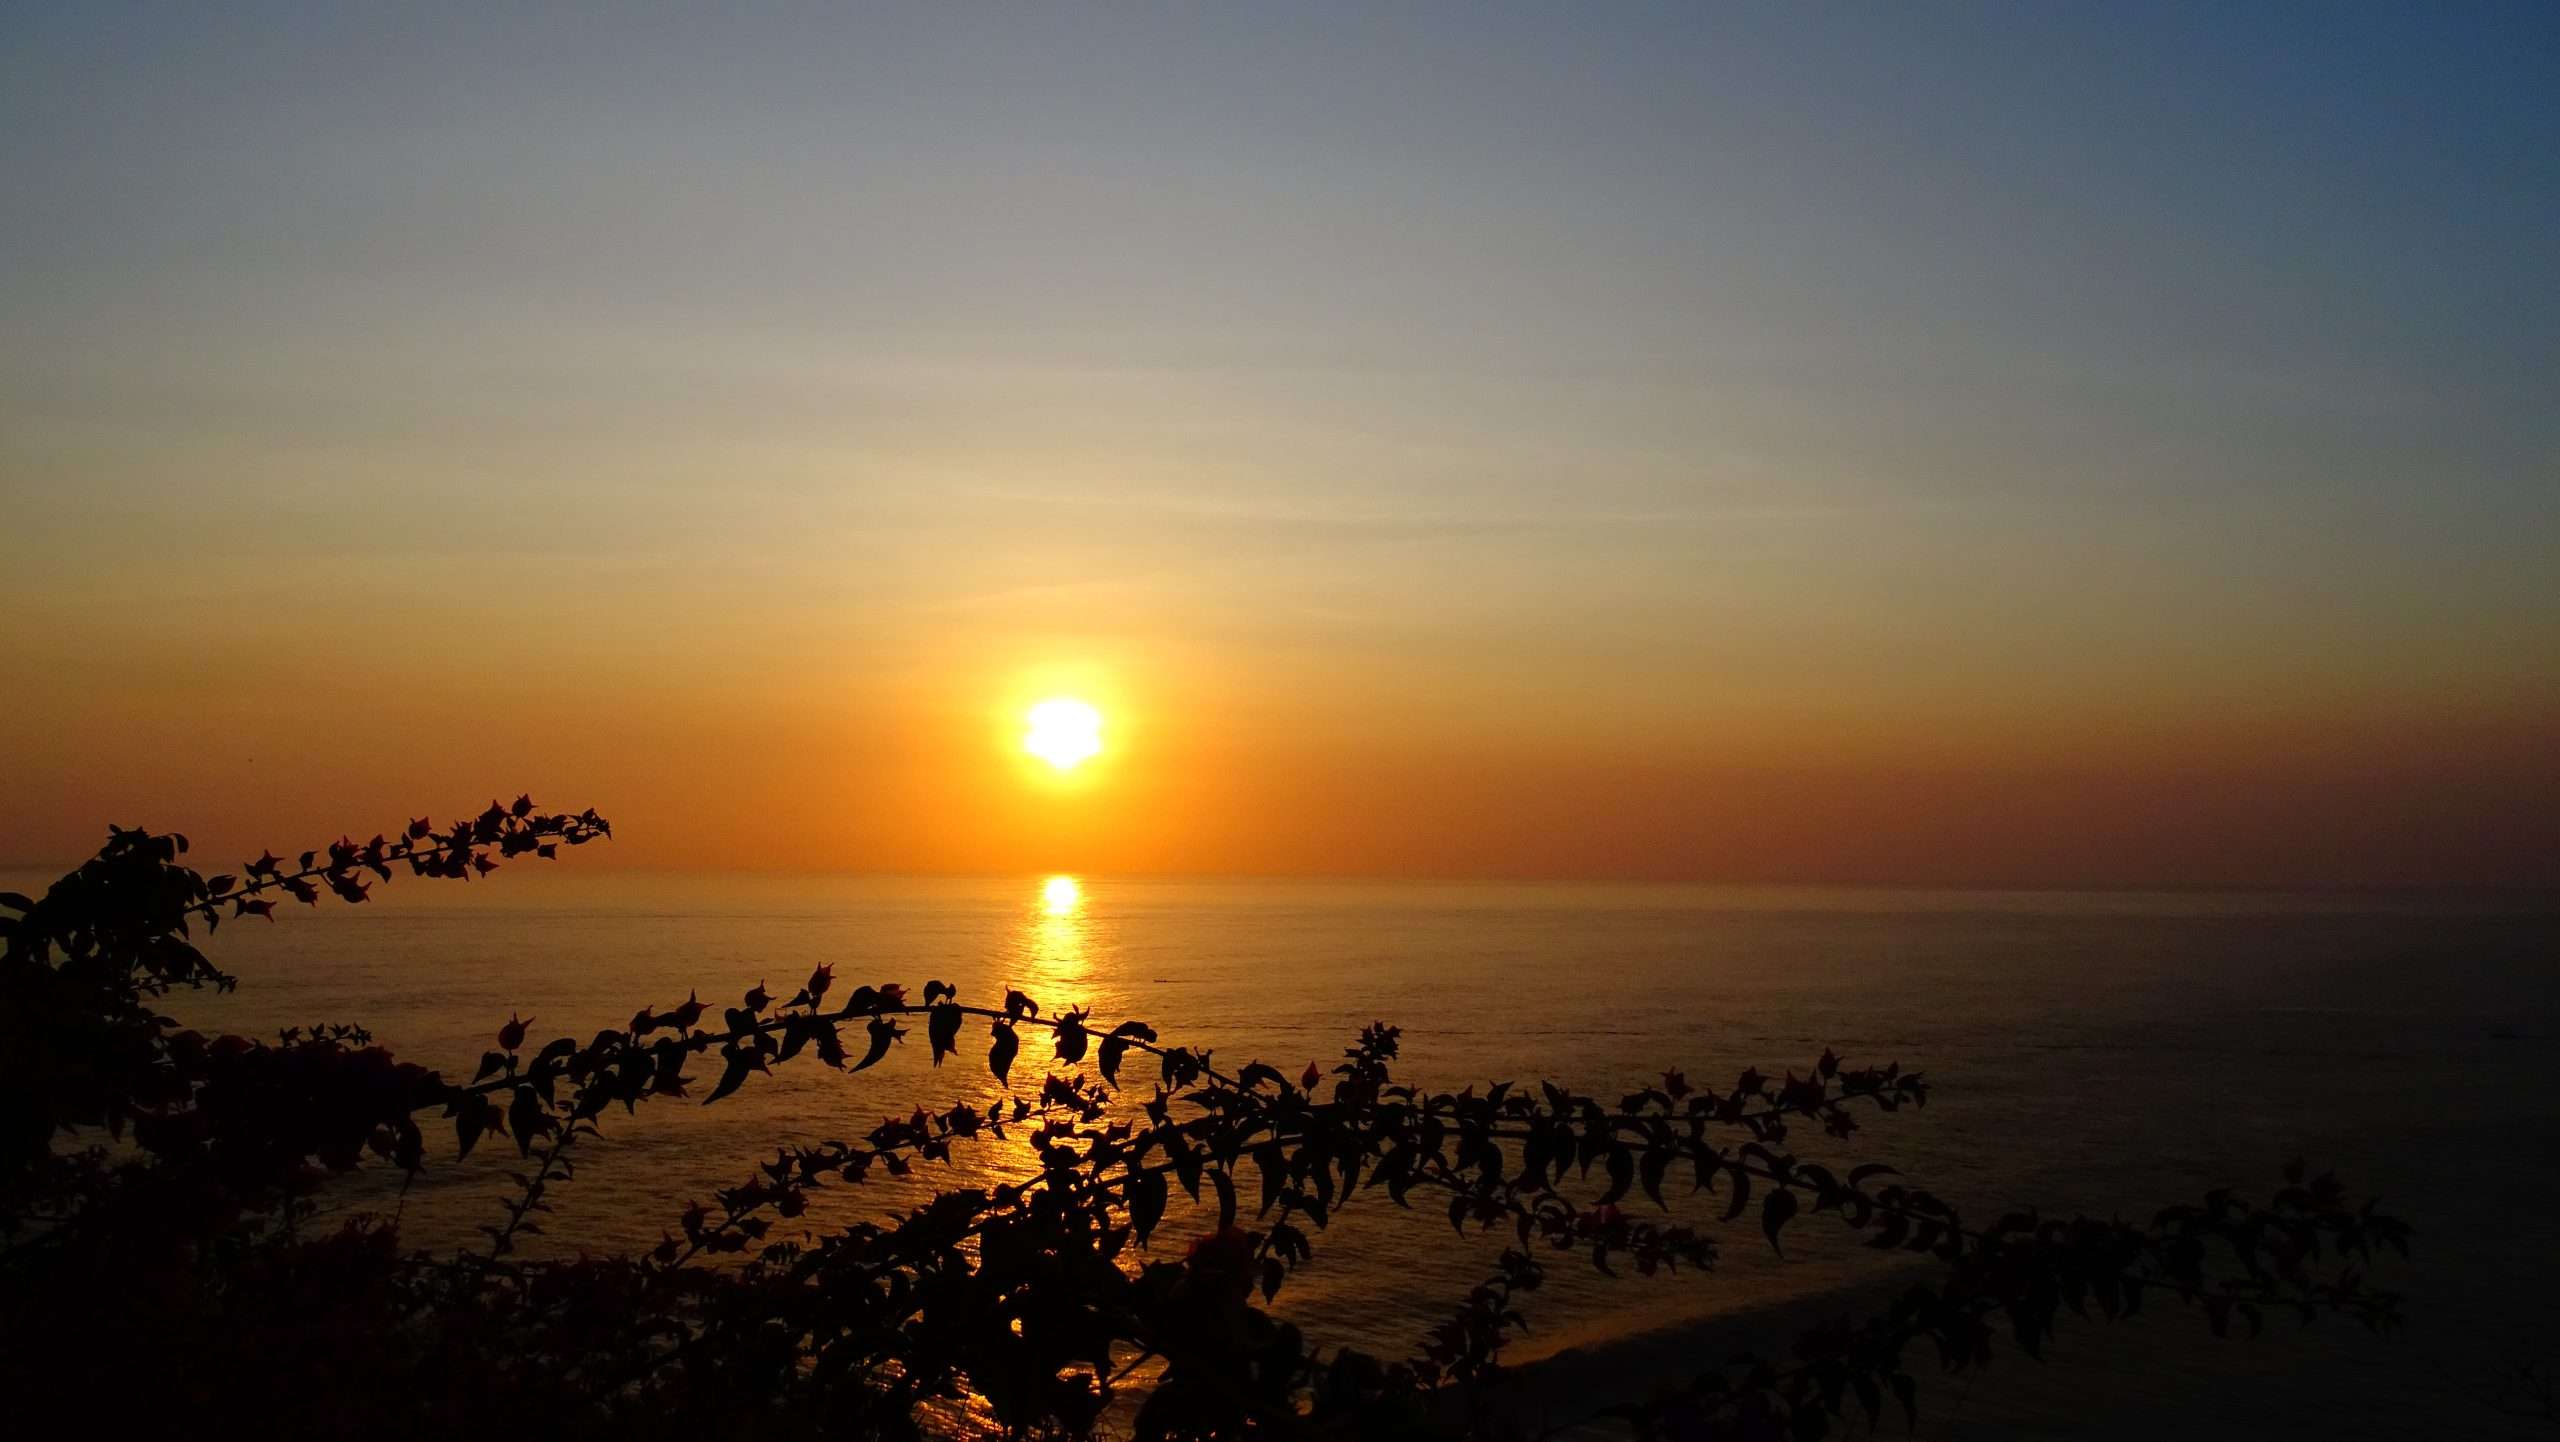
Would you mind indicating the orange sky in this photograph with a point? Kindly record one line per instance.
(1812, 454)
(1275, 759)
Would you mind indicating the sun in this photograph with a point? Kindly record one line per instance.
(1064, 732)
(1060, 895)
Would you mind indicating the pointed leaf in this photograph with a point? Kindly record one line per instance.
(1774, 1213)
(1226, 1186)
(1146, 1203)
(730, 1075)
(883, 1032)
(942, 1029)
(1000, 1055)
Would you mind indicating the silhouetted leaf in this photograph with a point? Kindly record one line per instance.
(883, 1032)
(1146, 1203)
(526, 1118)
(1774, 1214)
(732, 1073)
(942, 1029)
(1186, 1163)
(1622, 1174)
(1000, 1054)
(1116, 1045)
(1275, 1172)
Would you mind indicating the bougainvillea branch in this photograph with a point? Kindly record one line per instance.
(1044, 1299)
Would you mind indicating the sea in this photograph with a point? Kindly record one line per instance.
(2090, 1052)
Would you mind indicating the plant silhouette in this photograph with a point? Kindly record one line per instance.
(162, 1245)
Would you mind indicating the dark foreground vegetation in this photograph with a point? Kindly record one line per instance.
(164, 1268)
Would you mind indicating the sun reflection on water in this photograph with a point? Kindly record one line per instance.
(1055, 941)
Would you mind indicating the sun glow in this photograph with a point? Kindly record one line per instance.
(1064, 732)
(1060, 895)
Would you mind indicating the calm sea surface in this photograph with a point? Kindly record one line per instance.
(2107, 1052)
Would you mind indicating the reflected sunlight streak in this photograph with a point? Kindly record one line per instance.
(1053, 937)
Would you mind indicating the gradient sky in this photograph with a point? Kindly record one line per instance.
(1939, 443)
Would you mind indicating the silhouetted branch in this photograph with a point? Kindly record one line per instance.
(1036, 1295)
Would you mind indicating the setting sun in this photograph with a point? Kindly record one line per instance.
(1065, 733)
(1060, 895)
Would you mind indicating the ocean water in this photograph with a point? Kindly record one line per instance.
(2101, 1052)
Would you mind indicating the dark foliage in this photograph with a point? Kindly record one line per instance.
(162, 1242)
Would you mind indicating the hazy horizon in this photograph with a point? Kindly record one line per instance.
(1994, 445)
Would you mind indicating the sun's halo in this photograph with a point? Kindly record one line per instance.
(1063, 731)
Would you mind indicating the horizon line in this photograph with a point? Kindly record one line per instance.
(56, 869)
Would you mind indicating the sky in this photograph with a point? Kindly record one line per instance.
(2034, 444)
